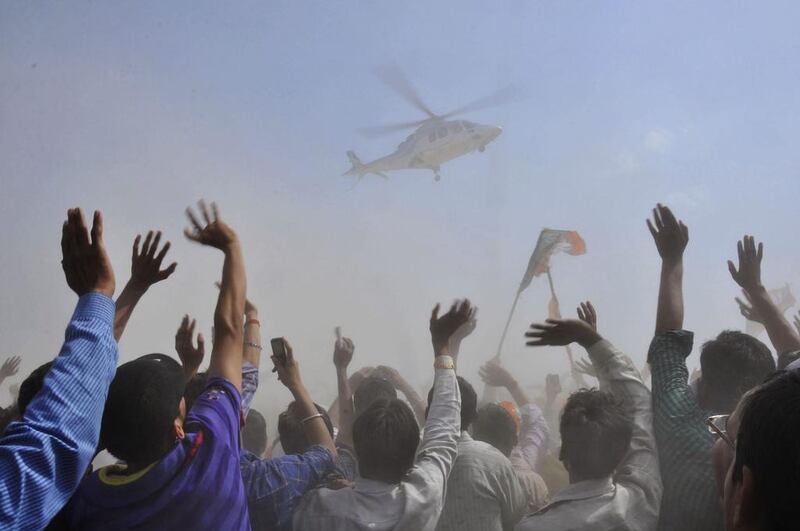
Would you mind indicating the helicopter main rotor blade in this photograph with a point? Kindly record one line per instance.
(392, 76)
(500, 97)
(387, 129)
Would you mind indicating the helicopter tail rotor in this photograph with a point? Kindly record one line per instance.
(359, 169)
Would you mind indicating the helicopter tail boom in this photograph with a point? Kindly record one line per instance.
(360, 169)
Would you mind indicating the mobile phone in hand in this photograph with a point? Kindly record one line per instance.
(278, 349)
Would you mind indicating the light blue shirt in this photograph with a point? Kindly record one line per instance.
(44, 456)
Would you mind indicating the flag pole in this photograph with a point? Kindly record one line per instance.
(553, 294)
(508, 323)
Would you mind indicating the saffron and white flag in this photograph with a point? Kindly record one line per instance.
(551, 242)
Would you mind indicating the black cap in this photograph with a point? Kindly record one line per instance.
(143, 401)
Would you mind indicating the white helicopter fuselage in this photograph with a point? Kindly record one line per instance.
(430, 146)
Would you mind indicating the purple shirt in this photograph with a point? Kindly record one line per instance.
(197, 485)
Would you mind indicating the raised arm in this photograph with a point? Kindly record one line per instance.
(44, 456)
(191, 357)
(313, 425)
(10, 367)
(748, 276)
(145, 271)
(418, 405)
(343, 351)
(671, 237)
(226, 354)
(251, 355)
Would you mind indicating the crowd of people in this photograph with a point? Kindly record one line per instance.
(716, 451)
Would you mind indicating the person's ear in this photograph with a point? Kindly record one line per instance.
(747, 509)
(177, 424)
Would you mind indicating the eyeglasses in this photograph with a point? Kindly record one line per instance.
(718, 425)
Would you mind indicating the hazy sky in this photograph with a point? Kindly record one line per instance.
(139, 109)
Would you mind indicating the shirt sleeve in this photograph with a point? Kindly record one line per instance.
(640, 465)
(249, 385)
(217, 411)
(439, 445)
(44, 456)
(297, 474)
(533, 434)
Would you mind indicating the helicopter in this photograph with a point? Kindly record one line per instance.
(437, 138)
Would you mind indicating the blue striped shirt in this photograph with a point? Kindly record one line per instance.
(44, 456)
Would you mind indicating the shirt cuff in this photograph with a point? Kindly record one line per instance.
(444, 362)
(674, 342)
(95, 305)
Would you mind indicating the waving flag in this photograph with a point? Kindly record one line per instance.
(551, 242)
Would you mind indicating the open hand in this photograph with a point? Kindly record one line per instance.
(670, 235)
(146, 264)
(560, 332)
(588, 314)
(747, 310)
(288, 372)
(495, 375)
(748, 276)
(215, 233)
(343, 351)
(86, 264)
(191, 357)
(10, 367)
(444, 327)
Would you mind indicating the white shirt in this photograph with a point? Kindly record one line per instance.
(415, 503)
(484, 492)
(632, 500)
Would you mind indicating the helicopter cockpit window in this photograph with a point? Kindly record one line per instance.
(432, 136)
(442, 132)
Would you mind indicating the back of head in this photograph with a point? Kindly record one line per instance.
(469, 402)
(768, 444)
(254, 433)
(143, 401)
(385, 437)
(31, 386)
(731, 365)
(496, 426)
(595, 434)
(291, 431)
(372, 388)
(194, 388)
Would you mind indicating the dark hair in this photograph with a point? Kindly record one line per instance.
(371, 389)
(194, 388)
(595, 434)
(385, 438)
(495, 426)
(469, 403)
(254, 433)
(31, 385)
(767, 443)
(291, 432)
(731, 365)
(143, 401)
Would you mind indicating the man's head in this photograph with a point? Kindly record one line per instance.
(595, 434)
(291, 431)
(469, 403)
(372, 388)
(731, 365)
(254, 433)
(385, 437)
(144, 410)
(496, 426)
(762, 486)
(31, 386)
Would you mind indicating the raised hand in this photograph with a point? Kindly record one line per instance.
(747, 310)
(146, 264)
(670, 235)
(748, 276)
(343, 351)
(552, 387)
(191, 357)
(444, 327)
(561, 332)
(10, 367)
(588, 314)
(797, 322)
(463, 331)
(495, 375)
(86, 264)
(288, 371)
(215, 233)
